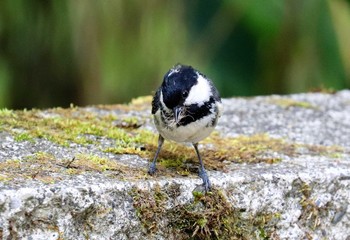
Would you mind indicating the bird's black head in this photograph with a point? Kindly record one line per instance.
(176, 85)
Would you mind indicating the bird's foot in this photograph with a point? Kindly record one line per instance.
(152, 169)
(206, 183)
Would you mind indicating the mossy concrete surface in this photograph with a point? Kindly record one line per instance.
(279, 166)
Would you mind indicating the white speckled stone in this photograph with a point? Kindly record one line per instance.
(93, 206)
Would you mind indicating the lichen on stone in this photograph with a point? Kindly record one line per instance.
(206, 216)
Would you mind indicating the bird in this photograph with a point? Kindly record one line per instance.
(185, 108)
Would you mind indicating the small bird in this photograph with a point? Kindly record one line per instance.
(186, 108)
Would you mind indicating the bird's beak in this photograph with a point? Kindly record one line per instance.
(177, 112)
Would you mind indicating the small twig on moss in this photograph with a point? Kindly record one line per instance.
(70, 162)
(35, 174)
(67, 164)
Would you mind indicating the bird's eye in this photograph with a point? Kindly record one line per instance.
(185, 94)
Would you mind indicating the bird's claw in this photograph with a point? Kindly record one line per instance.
(152, 169)
(206, 183)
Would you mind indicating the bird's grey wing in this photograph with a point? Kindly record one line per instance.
(155, 102)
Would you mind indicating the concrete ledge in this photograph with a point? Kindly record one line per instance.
(283, 173)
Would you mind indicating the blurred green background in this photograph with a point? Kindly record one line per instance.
(53, 53)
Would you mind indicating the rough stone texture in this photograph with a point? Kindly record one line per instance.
(309, 192)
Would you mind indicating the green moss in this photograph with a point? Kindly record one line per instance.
(11, 163)
(128, 122)
(4, 178)
(46, 168)
(288, 103)
(8, 168)
(217, 154)
(77, 125)
(247, 149)
(198, 195)
(4, 112)
(311, 215)
(208, 216)
(88, 162)
(176, 163)
(63, 126)
(324, 89)
(328, 151)
(23, 137)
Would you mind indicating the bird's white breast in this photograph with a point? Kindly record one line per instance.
(192, 132)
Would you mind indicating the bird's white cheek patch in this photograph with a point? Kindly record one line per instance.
(199, 93)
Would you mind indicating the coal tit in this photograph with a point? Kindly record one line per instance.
(185, 108)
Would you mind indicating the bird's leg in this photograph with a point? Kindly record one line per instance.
(202, 173)
(152, 168)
